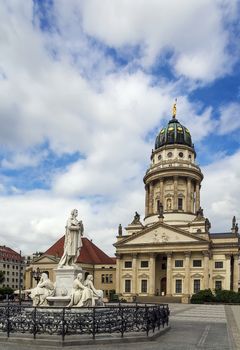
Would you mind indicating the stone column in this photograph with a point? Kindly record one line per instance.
(135, 273)
(175, 198)
(152, 271)
(187, 273)
(206, 269)
(150, 208)
(189, 204)
(118, 273)
(235, 272)
(169, 274)
(229, 278)
(161, 193)
(146, 200)
(197, 197)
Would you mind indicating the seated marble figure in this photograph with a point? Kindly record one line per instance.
(97, 293)
(83, 293)
(44, 289)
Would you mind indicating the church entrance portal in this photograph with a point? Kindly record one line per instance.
(163, 285)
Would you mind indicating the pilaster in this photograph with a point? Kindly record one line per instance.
(189, 209)
(206, 268)
(187, 273)
(118, 273)
(146, 200)
(150, 207)
(169, 273)
(135, 272)
(152, 265)
(197, 197)
(175, 187)
(235, 272)
(161, 192)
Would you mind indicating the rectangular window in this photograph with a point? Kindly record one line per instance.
(178, 286)
(180, 204)
(106, 278)
(196, 286)
(144, 286)
(164, 266)
(128, 264)
(197, 263)
(144, 263)
(218, 285)
(127, 286)
(178, 263)
(218, 264)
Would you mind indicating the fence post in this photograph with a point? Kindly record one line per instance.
(34, 322)
(8, 318)
(147, 321)
(122, 320)
(63, 324)
(93, 324)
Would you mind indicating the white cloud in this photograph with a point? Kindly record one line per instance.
(220, 191)
(194, 31)
(79, 101)
(229, 118)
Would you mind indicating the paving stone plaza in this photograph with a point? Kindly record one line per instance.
(192, 327)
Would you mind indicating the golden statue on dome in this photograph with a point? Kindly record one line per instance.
(174, 109)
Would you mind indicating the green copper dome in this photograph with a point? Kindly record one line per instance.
(174, 133)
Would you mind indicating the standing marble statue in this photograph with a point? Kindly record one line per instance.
(44, 289)
(73, 241)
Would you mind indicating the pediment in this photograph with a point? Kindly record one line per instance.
(197, 275)
(45, 259)
(161, 233)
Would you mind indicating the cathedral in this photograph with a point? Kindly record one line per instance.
(172, 252)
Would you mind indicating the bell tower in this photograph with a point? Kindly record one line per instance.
(173, 180)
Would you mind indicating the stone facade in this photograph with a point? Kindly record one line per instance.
(173, 252)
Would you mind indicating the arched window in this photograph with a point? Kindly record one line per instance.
(180, 203)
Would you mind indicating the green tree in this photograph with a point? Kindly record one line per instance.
(2, 277)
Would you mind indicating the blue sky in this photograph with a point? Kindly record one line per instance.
(85, 87)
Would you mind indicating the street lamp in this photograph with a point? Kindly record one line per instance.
(36, 274)
(19, 278)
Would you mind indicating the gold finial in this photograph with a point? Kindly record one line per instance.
(174, 110)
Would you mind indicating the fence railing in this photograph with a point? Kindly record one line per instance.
(120, 318)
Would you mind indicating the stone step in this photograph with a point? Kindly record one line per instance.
(158, 299)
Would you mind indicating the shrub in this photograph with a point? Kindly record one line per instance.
(227, 296)
(6, 290)
(202, 296)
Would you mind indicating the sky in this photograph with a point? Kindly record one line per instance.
(85, 86)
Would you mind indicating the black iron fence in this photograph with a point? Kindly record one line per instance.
(121, 318)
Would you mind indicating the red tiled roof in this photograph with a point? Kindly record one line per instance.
(89, 254)
(8, 253)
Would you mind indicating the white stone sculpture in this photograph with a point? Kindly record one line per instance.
(97, 293)
(73, 241)
(81, 295)
(44, 289)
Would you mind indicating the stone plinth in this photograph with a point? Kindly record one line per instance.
(64, 282)
(59, 301)
(64, 279)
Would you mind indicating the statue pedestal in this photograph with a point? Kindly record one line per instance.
(64, 279)
(64, 282)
